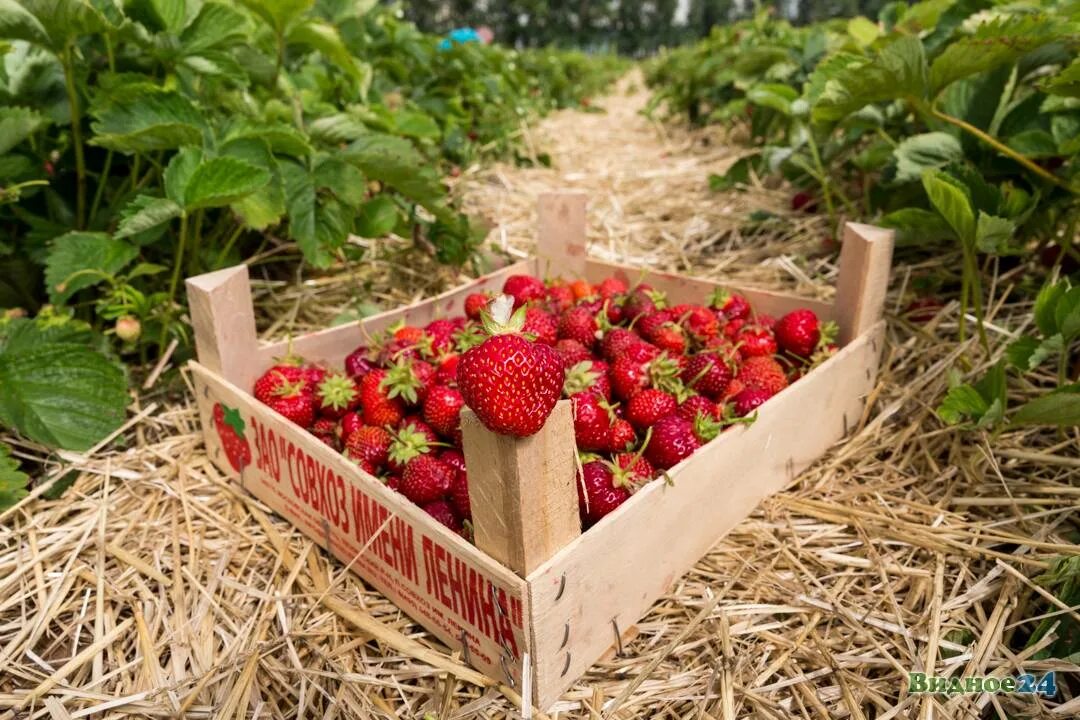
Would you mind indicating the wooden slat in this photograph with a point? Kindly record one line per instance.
(330, 346)
(683, 288)
(224, 322)
(616, 570)
(522, 490)
(560, 240)
(865, 259)
(435, 576)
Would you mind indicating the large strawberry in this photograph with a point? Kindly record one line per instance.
(510, 382)
(230, 429)
(523, 288)
(284, 377)
(578, 323)
(648, 406)
(764, 373)
(442, 410)
(800, 333)
(603, 488)
(426, 479)
(378, 407)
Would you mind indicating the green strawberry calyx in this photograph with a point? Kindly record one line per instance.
(233, 419)
(580, 377)
(337, 391)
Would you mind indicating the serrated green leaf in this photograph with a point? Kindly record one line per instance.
(993, 43)
(62, 20)
(962, 403)
(1027, 353)
(279, 14)
(917, 153)
(13, 482)
(1067, 82)
(898, 71)
(1060, 408)
(318, 227)
(146, 121)
(17, 23)
(56, 389)
(397, 163)
(994, 234)
(773, 95)
(265, 206)
(341, 178)
(417, 125)
(952, 202)
(1045, 310)
(916, 226)
(80, 260)
(179, 171)
(1067, 314)
(220, 181)
(863, 31)
(324, 37)
(1033, 143)
(377, 217)
(282, 139)
(145, 213)
(338, 128)
(218, 25)
(17, 124)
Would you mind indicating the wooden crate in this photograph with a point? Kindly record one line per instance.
(535, 600)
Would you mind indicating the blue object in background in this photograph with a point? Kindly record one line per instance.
(459, 36)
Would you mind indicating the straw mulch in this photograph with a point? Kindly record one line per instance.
(154, 588)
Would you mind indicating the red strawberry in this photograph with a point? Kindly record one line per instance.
(358, 363)
(459, 488)
(283, 378)
(581, 289)
(409, 335)
(446, 372)
(230, 430)
(748, 400)
(315, 374)
(426, 479)
(369, 444)
(325, 429)
(337, 395)
(378, 407)
(298, 407)
(474, 303)
(800, 333)
(350, 422)
(708, 374)
(700, 322)
(542, 325)
(559, 297)
(572, 352)
(696, 405)
(600, 491)
(764, 373)
(592, 422)
(511, 383)
(670, 338)
(638, 303)
(628, 377)
(732, 306)
(411, 440)
(524, 288)
(755, 341)
(441, 511)
(639, 469)
(673, 439)
(578, 323)
(622, 435)
(648, 406)
(441, 332)
(442, 410)
(587, 376)
(615, 342)
(610, 287)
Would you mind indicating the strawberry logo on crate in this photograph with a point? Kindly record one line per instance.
(230, 429)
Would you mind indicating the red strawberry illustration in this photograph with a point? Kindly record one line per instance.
(230, 428)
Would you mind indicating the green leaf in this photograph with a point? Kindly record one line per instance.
(1046, 303)
(417, 125)
(56, 388)
(1066, 82)
(80, 260)
(17, 124)
(918, 153)
(962, 403)
(1033, 143)
(916, 226)
(1061, 408)
(1002, 40)
(145, 120)
(319, 228)
(1027, 353)
(951, 200)
(737, 174)
(179, 171)
(324, 38)
(222, 180)
(265, 206)
(994, 234)
(283, 139)
(217, 25)
(62, 20)
(863, 31)
(13, 482)
(279, 14)
(342, 179)
(145, 213)
(17, 23)
(377, 217)
(773, 95)
(1067, 314)
(898, 71)
(397, 163)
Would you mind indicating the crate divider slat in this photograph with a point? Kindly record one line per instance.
(544, 595)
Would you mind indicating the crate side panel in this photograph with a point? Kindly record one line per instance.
(614, 572)
(432, 574)
(686, 289)
(330, 346)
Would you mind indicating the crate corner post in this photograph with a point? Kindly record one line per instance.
(561, 232)
(223, 317)
(865, 261)
(523, 490)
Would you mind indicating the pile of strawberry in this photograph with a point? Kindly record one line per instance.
(650, 383)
